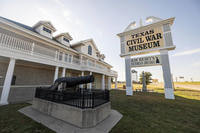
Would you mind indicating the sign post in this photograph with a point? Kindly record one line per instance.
(129, 90)
(154, 37)
(168, 85)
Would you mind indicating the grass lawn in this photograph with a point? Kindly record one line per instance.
(12, 121)
(151, 113)
(142, 113)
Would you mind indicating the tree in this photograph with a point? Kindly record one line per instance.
(148, 77)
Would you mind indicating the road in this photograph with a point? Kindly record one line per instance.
(195, 87)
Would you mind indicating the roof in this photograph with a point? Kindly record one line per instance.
(45, 23)
(83, 43)
(138, 29)
(19, 24)
(32, 30)
(66, 34)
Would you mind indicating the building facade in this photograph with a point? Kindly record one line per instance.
(32, 57)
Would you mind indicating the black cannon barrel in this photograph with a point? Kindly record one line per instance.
(73, 81)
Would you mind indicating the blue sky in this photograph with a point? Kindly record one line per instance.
(103, 19)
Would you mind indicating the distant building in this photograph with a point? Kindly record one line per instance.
(154, 80)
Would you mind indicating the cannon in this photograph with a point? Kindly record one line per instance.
(71, 82)
(66, 91)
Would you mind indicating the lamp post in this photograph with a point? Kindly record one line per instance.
(144, 85)
(134, 71)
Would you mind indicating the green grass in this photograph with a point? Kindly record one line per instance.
(182, 92)
(12, 121)
(151, 113)
(142, 113)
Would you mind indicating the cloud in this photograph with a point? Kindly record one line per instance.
(66, 13)
(188, 52)
(59, 3)
(43, 11)
(197, 64)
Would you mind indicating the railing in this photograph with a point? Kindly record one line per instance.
(15, 43)
(80, 99)
(76, 61)
(114, 73)
(31, 48)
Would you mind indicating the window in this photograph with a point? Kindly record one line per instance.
(47, 30)
(70, 58)
(60, 56)
(89, 50)
(66, 57)
(13, 80)
(66, 40)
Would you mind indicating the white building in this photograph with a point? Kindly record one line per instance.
(32, 57)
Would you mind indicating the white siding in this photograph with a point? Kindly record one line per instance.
(42, 32)
(85, 50)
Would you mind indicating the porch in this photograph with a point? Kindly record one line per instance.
(19, 78)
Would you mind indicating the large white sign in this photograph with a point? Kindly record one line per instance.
(145, 39)
(154, 37)
(146, 61)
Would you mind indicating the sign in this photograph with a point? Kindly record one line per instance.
(154, 37)
(145, 40)
(146, 61)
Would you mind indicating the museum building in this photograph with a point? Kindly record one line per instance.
(32, 57)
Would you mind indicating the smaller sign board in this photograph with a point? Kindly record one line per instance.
(146, 61)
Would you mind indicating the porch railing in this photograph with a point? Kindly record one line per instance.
(31, 48)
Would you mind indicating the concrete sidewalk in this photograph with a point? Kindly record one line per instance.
(60, 126)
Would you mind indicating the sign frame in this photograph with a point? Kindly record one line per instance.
(167, 38)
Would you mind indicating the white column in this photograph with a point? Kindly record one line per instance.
(56, 55)
(81, 59)
(56, 73)
(82, 74)
(169, 90)
(95, 63)
(115, 82)
(63, 72)
(103, 82)
(7, 82)
(109, 82)
(72, 59)
(90, 84)
(63, 57)
(129, 90)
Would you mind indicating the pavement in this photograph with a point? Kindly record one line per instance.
(194, 87)
(60, 126)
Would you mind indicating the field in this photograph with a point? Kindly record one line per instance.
(151, 113)
(179, 91)
(142, 113)
(188, 83)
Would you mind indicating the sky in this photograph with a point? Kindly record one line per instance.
(103, 19)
